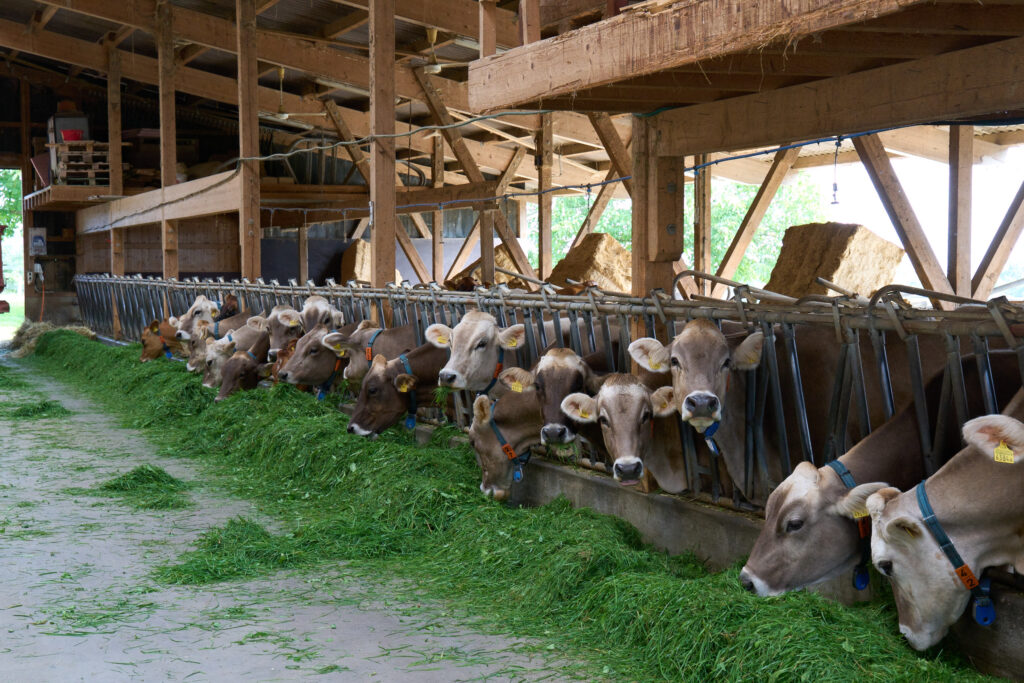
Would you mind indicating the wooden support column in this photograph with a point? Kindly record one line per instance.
(781, 165)
(383, 218)
(487, 246)
(248, 139)
(437, 217)
(529, 21)
(702, 219)
(114, 120)
(545, 202)
(27, 186)
(902, 215)
(117, 257)
(488, 17)
(655, 246)
(303, 254)
(166, 73)
(961, 162)
(999, 250)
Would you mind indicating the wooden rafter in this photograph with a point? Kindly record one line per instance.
(961, 162)
(999, 250)
(383, 218)
(604, 195)
(452, 16)
(615, 147)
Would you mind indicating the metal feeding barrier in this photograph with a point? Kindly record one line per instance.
(596, 320)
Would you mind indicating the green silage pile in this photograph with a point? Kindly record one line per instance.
(571, 580)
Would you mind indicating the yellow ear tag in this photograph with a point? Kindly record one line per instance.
(512, 343)
(1003, 453)
(664, 406)
(442, 340)
(404, 388)
(655, 366)
(516, 386)
(293, 323)
(860, 514)
(584, 414)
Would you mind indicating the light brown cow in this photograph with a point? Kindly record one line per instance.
(219, 350)
(976, 500)
(518, 419)
(366, 341)
(201, 309)
(284, 324)
(244, 369)
(158, 340)
(313, 363)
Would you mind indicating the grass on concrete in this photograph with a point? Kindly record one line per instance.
(572, 581)
(146, 487)
(33, 410)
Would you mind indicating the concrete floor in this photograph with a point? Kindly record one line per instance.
(77, 602)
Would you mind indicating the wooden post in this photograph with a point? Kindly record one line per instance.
(488, 15)
(653, 244)
(437, 217)
(546, 199)
(27, 181)
(529, 21)
(702, 219)
(521, 213)
(961, 162)
(114, 120)
(303, 254)
(167, 68)
(487, 247)
(249, 231)
(382, 157)
(999, 250)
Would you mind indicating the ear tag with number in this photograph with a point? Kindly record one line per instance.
(1003, 453)
(655, 365)
(584, 414)
(404, 388)
(516, 386)
(442, 340)
(369, 354)
(512, 343)
(293, 323)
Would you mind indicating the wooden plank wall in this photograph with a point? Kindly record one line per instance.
(93, 253)
(209, 245)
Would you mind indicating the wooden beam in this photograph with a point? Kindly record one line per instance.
(648, 271)
(437, 217)
(418, 266)
(604, 195)
(303, 254)
(471, 170)
(168, 124)
(349, 22)
(961, 163)
(529, 21)
(114, 121)
(701, 217)
(971, 82)
(383, 218)
(354, 152)
(637, 43)
(932, 142)
(545, 201)
(780, 167)
(488, 11)
(451, 16)
(250, 232)
(362, 225)
(998, 253)
(615, 146)
(487, 246)
(902, 215)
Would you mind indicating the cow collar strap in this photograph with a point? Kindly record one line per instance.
(252, 355)
(982, 609)
(497, 371)
(321, 391)
(216, 328)
(167, 349)
(410, 418)
(518, 459)
(368, 351)
(861, 578)
(709, 437)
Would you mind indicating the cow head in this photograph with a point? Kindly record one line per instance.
(244, 369)
(383, 397)
(625, 409)
(158, 339)
(313, 362)
(475, 344)
(559, 372)
(519, 421)
(285, 325)
(808, 536)
(201, 309)
(318, 311)
(929, 595)
(351, 344)
(218, 351)
(700, 358)
(197, 347)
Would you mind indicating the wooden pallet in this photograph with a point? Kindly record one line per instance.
(82, 162)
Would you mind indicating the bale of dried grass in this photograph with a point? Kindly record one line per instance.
(24, 342)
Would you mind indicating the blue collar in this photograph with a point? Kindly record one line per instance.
(216, 328)
(494, 377)
(983, 610)
(368, 351)
(252, 355)
(321, 391)
(518, 460)
(861, 578)
(410, 418)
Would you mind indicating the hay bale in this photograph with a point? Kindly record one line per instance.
(502, 259)
(598, 258)
(849, 255)
(355, 263)
(24, 342)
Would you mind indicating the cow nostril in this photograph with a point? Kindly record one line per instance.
(446, 377)
(747, 584)
(271, 356)
(283, 375)
(351, 429)
(712, 403)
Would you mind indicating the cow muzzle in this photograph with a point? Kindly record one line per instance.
(450, 378)
(752, 584)
(627, 471)
(182, 335)
(272, 355)
(701, 408)
(354, 428)
(556, 433)
(493, 492)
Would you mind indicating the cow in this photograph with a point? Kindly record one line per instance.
(203, 309)
(158, 340)
(704, 361)
(517, 419)
(807, 538)
(365, 341)
(244, 369)
(196, 346)
(629, 414)
(313, 363)
(392, 389)
(219, 350)
(284, 324)
(975, 501)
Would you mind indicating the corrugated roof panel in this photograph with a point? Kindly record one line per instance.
(19, 11)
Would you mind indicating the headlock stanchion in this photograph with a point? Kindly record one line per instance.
(772, 392)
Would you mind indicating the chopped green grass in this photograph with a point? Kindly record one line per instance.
(146, 487)
(9, 381)
(33, 410)
(571, 581)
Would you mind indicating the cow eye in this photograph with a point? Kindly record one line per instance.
(726, 363)
(372, 391)
(603, 421)
(482, 344)
(644, 417)
(209, 363)
(794, 525)
(885, 566)
(674, 362)
(314, 351)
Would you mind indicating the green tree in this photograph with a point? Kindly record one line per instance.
(10, 201)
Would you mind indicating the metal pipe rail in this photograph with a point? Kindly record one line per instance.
(596, 315)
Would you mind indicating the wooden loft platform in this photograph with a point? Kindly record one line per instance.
(688, 52)
(66, 197)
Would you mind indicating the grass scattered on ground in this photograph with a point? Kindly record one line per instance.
(33, 410)
(9, 381)
(146, 487)
(571, 582)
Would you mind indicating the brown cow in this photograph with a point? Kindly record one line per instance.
(392, 389)
(518, 419)
(245, 368)
(313, 363)
(219, 350)
(366, 341)
(158, 340)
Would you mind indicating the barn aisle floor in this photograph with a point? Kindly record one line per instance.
(78, 600)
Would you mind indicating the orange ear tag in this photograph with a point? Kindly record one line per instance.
(369, 354)
(507, 450)
(1003, 453)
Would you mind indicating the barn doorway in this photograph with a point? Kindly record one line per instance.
(11, 254)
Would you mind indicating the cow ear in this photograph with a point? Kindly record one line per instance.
(336, 342)
(405, 383)
(379, 361)
(877, 501)
(516, 379)
(337, 318)
(439, 335)
(228, 347)
(650, 354)
(214, 312)
(854, 503)
(663, 401)
(481, 409)
(512, 337)
(290, 318)
(257, 322)
(173, 321)
(366, 325)
(580, 407)
(264, 370)
(154, 326)
(747, 355)
(902, 529)
(998, 436)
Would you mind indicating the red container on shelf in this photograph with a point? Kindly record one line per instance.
(71, 134)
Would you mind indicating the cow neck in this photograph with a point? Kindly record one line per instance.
(497, 371)
(891, 453)
(321, 391)
(981, 604)
(368, 349)
(861, 578)
(518, 459)
(167, 349)
(420, 364)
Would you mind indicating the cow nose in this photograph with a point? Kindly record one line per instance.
(701, 404)
(446, 377)
(745, 581)
(272, 355)
(631, 471)
(177, 335)
(351, 429)
(555, 433)
(283, 376)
